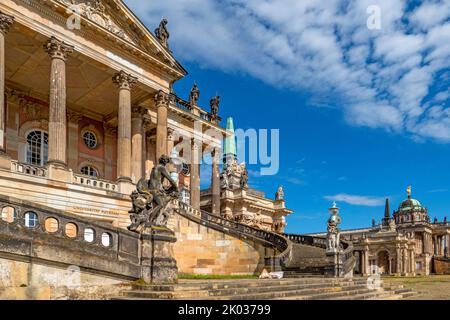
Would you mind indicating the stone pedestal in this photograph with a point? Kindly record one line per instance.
(157, 261)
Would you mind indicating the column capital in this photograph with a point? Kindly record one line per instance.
(109, 129)
(162, 99)
(57, 49)
(138, 111)
(5, 22)
(73, 116)
(124, 80)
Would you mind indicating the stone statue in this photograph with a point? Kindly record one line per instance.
(214, 103)
(279, 195)
(333, 234)
(244, 177)
(150, 200)
(162, 34)
(194, 95)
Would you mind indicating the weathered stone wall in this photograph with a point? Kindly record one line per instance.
(441, 265)
(25, 281)
(202, 250)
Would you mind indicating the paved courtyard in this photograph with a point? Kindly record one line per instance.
(428, 288)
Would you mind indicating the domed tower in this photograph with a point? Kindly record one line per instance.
(411, 211)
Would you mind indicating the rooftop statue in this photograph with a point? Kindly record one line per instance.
(194, 95)
(151, 199)
(279, 195)
(162, 34)
(214, 103)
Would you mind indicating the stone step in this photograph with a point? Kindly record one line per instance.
(186, 294)
(211, 285)
(289, 294)
(337, 295)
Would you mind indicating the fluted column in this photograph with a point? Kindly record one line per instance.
(137, 143)
(57, 140)
(125, 83)
(196, 149)
(72, 147)
(215, 183)
(5, 23)
(110, 133)
(150, 158)
(162, 103)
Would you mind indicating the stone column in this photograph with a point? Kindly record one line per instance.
(57, 143)
(151, 156)
(435, 245)
(110, 133)
(5, 23)
(72, 146)
(162, 104)
(125, 83)
(196, 148)
(366, 262)
(399, 262)
(137, 143)
(215, 183)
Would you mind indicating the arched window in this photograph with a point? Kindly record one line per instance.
(31, 219)
(90, 139)
(89, 171)
(37, 147)
(185, 196)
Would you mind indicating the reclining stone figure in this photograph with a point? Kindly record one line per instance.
(151, 198)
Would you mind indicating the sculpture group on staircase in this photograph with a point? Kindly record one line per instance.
(151, 198)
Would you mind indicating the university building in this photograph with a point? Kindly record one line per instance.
(89, 107)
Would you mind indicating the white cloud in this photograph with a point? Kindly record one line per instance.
(357, 200)
(382, 78)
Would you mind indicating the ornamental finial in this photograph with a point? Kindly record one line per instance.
(409, 191)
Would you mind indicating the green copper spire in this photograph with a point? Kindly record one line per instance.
(229, 143)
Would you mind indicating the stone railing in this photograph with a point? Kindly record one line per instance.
(186, 106)
(61, 239)
(95, 182)
(256, 193)
(269, 239)
(28, 169)
(307, 240)
(345, 263)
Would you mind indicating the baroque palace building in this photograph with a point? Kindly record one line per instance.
(88, 107)
(405, 243)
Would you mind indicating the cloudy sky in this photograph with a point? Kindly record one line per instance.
(359, 90)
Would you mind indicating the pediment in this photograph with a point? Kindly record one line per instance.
(116, 18)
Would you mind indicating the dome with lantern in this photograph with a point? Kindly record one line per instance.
(411, 211)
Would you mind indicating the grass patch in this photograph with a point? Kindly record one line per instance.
(189, 276)
(419, 279)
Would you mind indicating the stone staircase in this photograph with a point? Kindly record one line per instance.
(314, 288)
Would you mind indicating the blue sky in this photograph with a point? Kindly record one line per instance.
(362, 113)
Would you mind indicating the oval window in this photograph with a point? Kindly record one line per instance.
(9, 214)
(90, 139)
(89, 235)
(106, 239)
(71, 230)
(51, 225)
